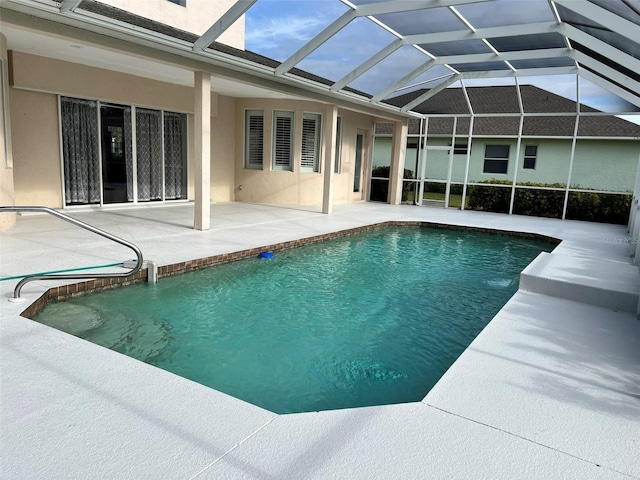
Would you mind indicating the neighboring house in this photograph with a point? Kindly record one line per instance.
(603, 155)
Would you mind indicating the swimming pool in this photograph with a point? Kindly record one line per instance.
(373, 318)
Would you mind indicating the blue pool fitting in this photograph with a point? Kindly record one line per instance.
(266, 255)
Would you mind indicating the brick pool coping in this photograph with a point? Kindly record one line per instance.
(65, 292)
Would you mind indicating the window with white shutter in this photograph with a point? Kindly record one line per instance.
(282, 140)
(254, 139)
(310, 159)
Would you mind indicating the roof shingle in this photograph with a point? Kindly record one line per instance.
(503, 99)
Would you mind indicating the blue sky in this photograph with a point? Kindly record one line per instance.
(278, 28)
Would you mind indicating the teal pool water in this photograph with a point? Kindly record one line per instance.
(368, 319)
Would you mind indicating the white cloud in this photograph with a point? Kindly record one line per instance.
(279, 31)
(277, 28)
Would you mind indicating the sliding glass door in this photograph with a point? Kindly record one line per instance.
(122, 154)
(117, 154)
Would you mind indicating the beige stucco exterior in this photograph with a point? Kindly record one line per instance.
(196, 18)
(37, 82)
(223, 143)
(31, 72)
(36, 148)
(352, 125)
(296, 187)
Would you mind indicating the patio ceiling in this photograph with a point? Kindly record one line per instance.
(444, 42)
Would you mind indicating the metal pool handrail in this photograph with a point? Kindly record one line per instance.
(79, 276)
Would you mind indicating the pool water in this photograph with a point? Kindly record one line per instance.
(369, 319)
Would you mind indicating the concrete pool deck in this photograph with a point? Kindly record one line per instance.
(549, 389)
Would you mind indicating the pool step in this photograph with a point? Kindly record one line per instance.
(603, 283)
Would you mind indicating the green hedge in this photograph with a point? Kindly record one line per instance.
(599, 207)
(593, 207)
(437, 187)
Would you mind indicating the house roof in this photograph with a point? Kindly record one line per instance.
(504, 99)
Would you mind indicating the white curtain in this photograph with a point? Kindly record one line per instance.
(149, 154)
(174, 138)
(81, 155)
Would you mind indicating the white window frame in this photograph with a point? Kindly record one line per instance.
(504, 159)
(282, 161)
(533, 157)
(460, 148)
(311, 142)
(135, 202)
(250, 153)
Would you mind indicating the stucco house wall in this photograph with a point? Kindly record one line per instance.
(352, 124)
(223, 135)
(196, 17)
(552, 164)
(606, 164)
(295, 187)
(36, 148)
(36, 84)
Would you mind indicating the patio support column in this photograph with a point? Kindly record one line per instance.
(400, 132)
(7, 192)
(202, 154)
(331, 134)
